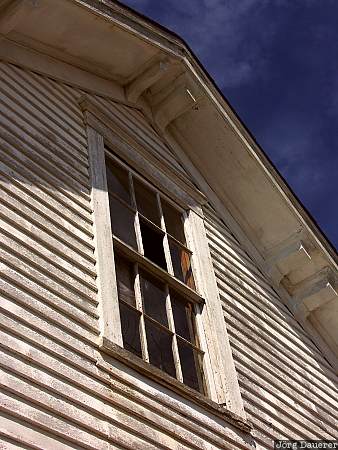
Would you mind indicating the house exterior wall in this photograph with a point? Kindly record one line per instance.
(57, 389)
(289, 390)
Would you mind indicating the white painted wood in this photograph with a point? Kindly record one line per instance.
(146, 79)
(222, 368)
(51, 162)
(45, 114)
(212, 197)
(45, 333)
(11, 181)
(86, 263)
(48, 326)
(106, 278)
(88, 384)
(22, 204)
(137, 151)
(303, 373)
(46, 180)
(39, 187)
(18, 434)
(27, 241)
(288, 388)
(40, 283)
(59, 387)
(50, 96)
(57, 70)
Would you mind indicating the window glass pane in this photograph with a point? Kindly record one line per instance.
(191, 366)
(117, 180)
(146, 202)
(122, 222)
(183, 315)
(182, 264)
(125, 280)
(160, 348)
(173, 222)
(154, 298)
(130, 321)
(153, 244)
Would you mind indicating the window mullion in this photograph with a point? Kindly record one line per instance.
(137, 217)
(139, 306)
(193, 332)
(165, 239)
(171, 323)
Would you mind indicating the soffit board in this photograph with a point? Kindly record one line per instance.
(67, 31)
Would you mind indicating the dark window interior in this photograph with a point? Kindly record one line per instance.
(190, 365)
(130, 322)
(117, 180)
(159, 338)
(153, 244)
(154, 298)
(160, 348)
(182, 312)
(122, 221)
(156, 337)
(173, 222)
(125, 280)
(147, 202)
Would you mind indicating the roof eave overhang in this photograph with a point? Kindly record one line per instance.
(139, 63)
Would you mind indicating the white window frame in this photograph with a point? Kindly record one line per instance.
(223, 394)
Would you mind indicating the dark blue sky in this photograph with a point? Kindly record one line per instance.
(276, 61)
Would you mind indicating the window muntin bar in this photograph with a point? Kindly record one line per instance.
(130, 325)
(146, 221)
(154, 298)
(146, 202)
(158, 324)
(152, 241)
(154, 277)
(157, 271)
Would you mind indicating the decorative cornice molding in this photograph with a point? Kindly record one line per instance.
(180, 96)
(145, 80)
(313, 292)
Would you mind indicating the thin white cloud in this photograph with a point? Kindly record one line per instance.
(219, 33)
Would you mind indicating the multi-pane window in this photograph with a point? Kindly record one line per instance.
(156, 288)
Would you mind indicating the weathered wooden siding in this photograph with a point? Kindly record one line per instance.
(289, 389)
(56, 390)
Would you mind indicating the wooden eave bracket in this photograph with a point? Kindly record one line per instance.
(287, 256)
(145, 80)
(179, 97)
(313, 293)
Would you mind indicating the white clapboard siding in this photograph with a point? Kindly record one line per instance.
(57, 391)
(289, 389)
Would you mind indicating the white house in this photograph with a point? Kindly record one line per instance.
(161, 287)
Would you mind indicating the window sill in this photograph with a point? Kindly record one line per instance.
(166, 380)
